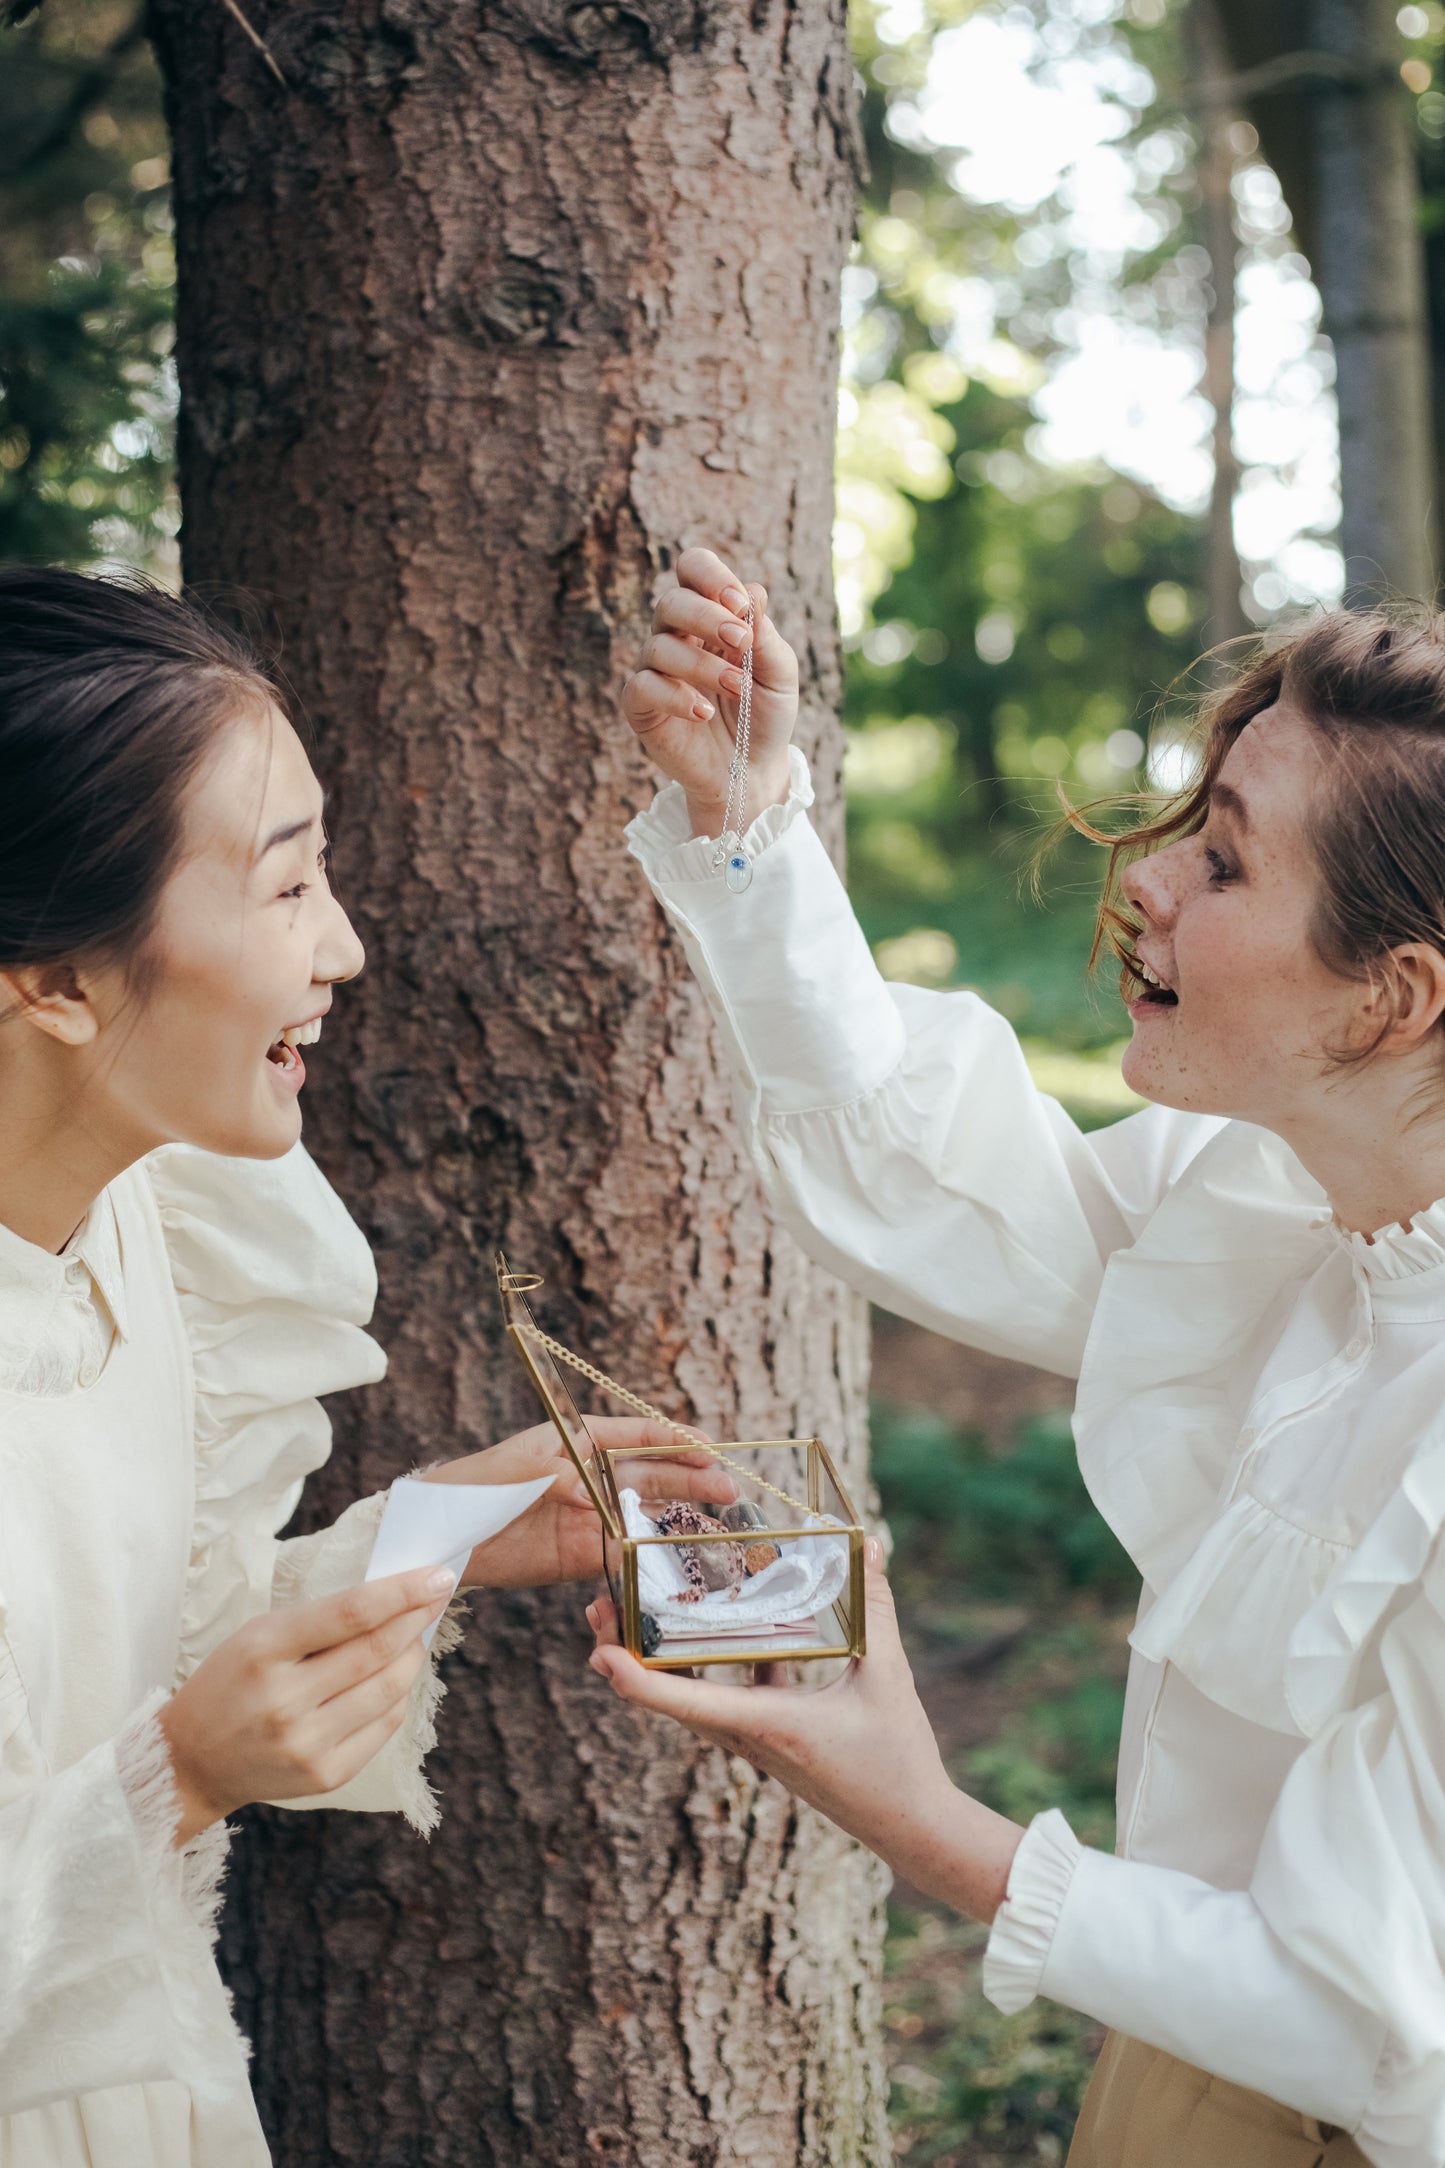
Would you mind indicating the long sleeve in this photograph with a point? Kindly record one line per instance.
(105, 1975)
(393, 1781)
(1323, 1983)
(276, 1285)
(1166, 1958)
(898, 1131)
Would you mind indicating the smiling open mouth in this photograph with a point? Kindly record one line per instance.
(1153, 990)
(282, 1051)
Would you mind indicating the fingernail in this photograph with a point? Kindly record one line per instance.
(702, 709)
(599, 1665)
(591, 1614)
(733, 634)
(734, 599)
(440, 1582)
(731, 681)
(872, 1552)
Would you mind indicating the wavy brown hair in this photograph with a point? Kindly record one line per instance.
(1372, 682)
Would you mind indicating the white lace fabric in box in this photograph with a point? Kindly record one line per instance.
(804, 1580)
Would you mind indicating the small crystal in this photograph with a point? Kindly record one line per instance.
(651, 1634)
(739, 871)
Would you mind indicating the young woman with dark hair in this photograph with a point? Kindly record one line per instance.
(1247, 1280)
(177, 1285)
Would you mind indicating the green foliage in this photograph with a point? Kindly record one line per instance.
(1011, 625)
(1058, 1752)
(1004, 1568)
(1018, 1524)
(969, 2085)
(87, 395)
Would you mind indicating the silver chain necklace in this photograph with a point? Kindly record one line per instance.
(730, 858)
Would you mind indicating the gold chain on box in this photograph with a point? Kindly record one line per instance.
(595, 1376)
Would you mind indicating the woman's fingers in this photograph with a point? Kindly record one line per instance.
(691, 616)
(719, 1713)
(305, 1629)
(705, 572)
(649, 699)
(684, 1471)
(679, 1479)
(369, 1700)
(336, 1670)
(775, 666)
(665, 655)
(633, 1433)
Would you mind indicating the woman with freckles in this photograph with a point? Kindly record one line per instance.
(1247, 1280)
(178, 1283)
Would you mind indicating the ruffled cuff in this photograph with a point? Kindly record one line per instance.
(662, 841)
(394, 1780)
(1023, 1928)
(183, 1891)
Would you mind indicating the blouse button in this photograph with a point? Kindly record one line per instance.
(88, 1373)
(1355, 1350)
(1247, 1437)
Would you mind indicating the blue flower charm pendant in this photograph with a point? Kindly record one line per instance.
(739, 871)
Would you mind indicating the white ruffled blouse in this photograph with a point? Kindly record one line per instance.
(1260, 1418)
(158, 1416)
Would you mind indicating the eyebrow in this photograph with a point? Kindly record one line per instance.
(288, 832)
(1226, 799)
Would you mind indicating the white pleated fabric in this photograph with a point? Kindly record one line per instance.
(1260, 1418)
(158, 1415)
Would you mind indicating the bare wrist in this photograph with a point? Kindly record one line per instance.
(197, 1811)
(959, 1850)
(765, 787)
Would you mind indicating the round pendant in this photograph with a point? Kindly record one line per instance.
(739, 871)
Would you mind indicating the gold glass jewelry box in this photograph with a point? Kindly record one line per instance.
(818, 1536)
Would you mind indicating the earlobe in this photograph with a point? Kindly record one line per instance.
(1414, 994)
(53, 1001)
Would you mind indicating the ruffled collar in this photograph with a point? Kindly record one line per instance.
(35, 1282)
(1403, 1249)
(1401, 1268)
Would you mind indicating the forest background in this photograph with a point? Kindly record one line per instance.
(1036, 495)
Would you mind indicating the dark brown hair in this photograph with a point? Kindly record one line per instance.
(1372, 682)
(111, 693)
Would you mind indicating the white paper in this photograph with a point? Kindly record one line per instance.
(806, 1577)
(441, 1524)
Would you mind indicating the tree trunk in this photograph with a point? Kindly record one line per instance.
(484, 315)
(1370, 270)
(1224, 609)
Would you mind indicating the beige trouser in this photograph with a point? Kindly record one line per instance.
(1145, 2110)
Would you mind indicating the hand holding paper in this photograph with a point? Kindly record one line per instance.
(441, 1524)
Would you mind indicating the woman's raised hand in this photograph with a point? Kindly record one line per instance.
(299, 1700)
(682, 699)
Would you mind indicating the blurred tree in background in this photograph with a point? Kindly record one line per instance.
(1012, 620)
(87, 398)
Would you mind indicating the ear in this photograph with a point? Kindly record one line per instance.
(1411, 996)
(53, 999)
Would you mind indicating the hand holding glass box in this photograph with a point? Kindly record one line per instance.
(777, 1577)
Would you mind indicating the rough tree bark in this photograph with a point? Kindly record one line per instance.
(483, 315)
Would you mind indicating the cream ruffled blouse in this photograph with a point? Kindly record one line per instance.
(1261, 1420)
(158, 1416)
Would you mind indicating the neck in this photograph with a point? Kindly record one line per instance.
(54, 1162)
(1378, 1154)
